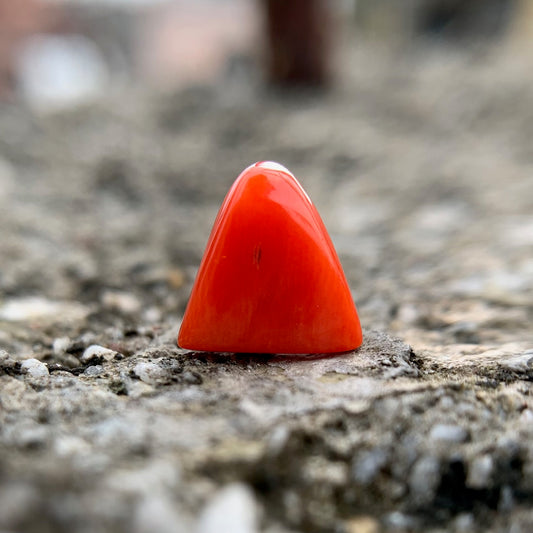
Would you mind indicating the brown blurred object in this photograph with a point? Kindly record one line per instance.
(18, 20)
(299, 39)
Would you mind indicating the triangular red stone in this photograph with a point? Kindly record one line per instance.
(270, 280)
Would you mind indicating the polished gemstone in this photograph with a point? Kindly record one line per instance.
(270, 280)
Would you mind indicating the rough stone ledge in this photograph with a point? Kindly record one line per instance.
(306, 443)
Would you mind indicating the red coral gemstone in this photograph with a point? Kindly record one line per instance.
(270, 280)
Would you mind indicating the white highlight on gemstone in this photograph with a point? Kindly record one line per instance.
(272, 165)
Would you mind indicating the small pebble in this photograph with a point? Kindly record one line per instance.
(424, 479)
(362, 524)
(507, 501)
(152, 315)
(527, 417)
(86, 339)
(68, 360)
(232, 509)
(480, 472)
(93, 371)
(125, 302)
(448, 433)
(408, 314)
(69, 445)
(464, 523)
(293, 506)
(399, 521)
(368, 465)
(34, 368)
(138, 389)
(149, 372)
(158, 513)
(158, 475)
(278, 439)
(192, 378)
(96, 350)
(60, 345)
(447, 403)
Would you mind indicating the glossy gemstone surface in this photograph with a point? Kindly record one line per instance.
(270, 280)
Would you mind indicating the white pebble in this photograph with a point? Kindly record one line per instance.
(149, 372)
(464, 523)
(446, 403)
(157, 476)
(408, 313)
(399, 521)
(424, 479)
(368, 465)
(480, 472)
(527, 417)
(158, 513)
(232, 509)
(95, 350)
(152, 314)
(60, 345)
(95, 370)
(69, 445)
(448, 433)
(34, 368)
(122, 301)
(278, 439)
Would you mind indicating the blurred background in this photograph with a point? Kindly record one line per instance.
(124, 122)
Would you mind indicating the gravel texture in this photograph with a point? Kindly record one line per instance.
(422, 168)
